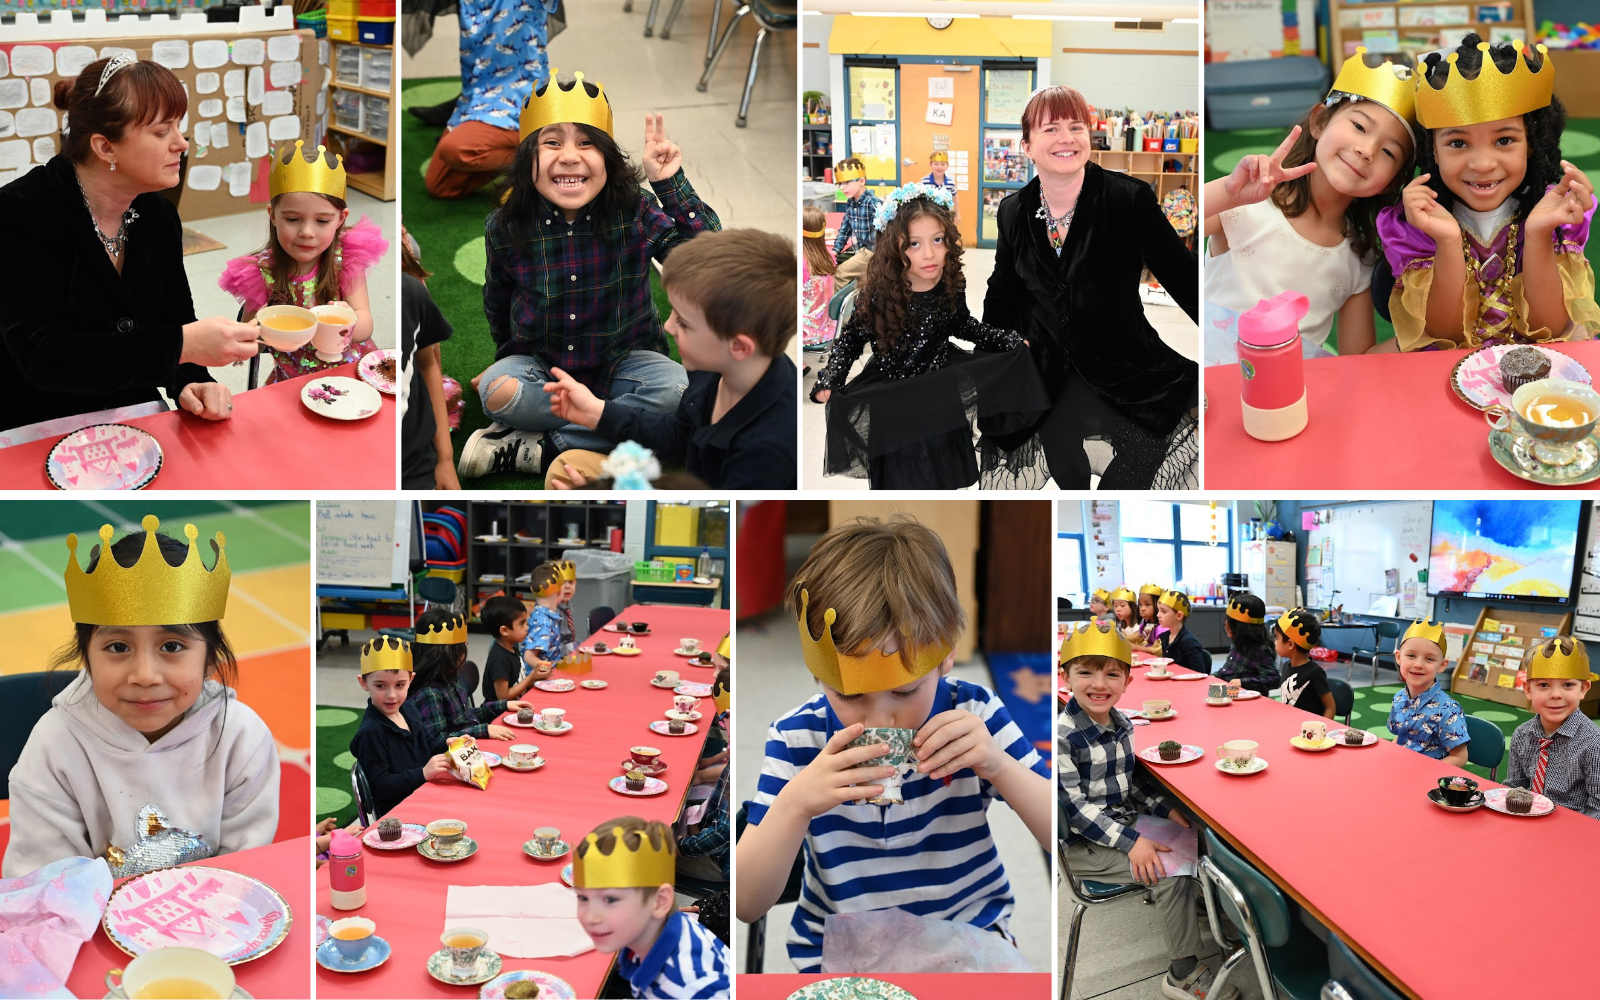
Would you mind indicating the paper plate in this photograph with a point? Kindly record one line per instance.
(1495, 798)
(850, 988)
(626, 650)
(323, 923)
(695, 690)
(1371, 739)
(1247, 696)
(660, 727)
(341, 398)
(1476, 377)
(1190, 752)
(550, 987)
(411, 834)
(492, 759)
(652, 786)
(368, 369)
(226, 914)
(104, 457)
(566, 873)
(510, 719)
(555, 684)
(1300, 743)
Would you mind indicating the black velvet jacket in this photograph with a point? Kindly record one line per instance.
(75, 336)
(1083, 308)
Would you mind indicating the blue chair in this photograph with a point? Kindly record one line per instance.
(1085, 893)
(1385, 630)
(436, 591)
(1290, 960)
(770, 15)
(1344, 698)
(23, 699)
(1488, 745)
(756, 945)
(1352, 979)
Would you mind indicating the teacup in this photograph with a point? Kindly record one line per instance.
(352, 936)
(1313, 731)
(1238, 752)
(643, 755)
(626, 642)
(1217, 690)
(552, 717)
(1460, 794)
(523, 753)
(287, 328)
(447, 834)
(639, 626)
(465, 945)
(898, 750)
(1157, 706)
(335, 324)
(173, 972)
(547, 837)
(1554, 413)
(664, 677)
(689, 645)
(1159, 670)
(685, 702)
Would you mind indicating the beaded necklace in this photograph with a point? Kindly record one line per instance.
(1496, 295)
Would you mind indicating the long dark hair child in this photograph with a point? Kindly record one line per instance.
(817, 270)
(445, 709)
(1252, 661)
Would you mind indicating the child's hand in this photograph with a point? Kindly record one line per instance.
(437, 766)
(575, 479)
(821, 395)
(662, 157)
(1424, 211)
(1564, 204)
(954, 740)
(1178, 818)
(517, 706)
(1254, 177)
(572, 401)
(543, 669)
(1145, 861)
(501, 733)
(826, 781)
(327, 825)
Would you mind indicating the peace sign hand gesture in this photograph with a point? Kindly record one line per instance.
(662, 157)
(1255, 176)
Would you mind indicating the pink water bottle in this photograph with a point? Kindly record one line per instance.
(347, 876)
(1274, 383)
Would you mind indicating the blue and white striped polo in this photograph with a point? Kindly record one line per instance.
(932, 856)
(686, 961)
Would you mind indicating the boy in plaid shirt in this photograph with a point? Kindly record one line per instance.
(1557, 752)
(1104, 794)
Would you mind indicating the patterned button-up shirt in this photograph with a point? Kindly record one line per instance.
(1572, 778)
(577, 295)
(858, 214)
(502, 58)
(446, 712)
(1103, 788)
(1432, 723)
(544, 637)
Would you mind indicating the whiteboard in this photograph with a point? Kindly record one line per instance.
(1359, 543)
(1586, 615)
(363, 543)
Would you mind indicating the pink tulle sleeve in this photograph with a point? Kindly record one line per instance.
(363, 244)
(242, 279)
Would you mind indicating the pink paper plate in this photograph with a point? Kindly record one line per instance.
(411, 834)
(104, 457)
(1495, 798)
(652, 786)
(368, 370)
(222, 913)
(1476, 378)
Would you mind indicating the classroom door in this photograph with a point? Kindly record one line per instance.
(873, 135)
(1004, 167)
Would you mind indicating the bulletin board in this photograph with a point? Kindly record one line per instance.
(248, 93)
(920, 137)
(1357, 553)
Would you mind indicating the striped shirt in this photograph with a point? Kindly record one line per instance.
(686, 961)
(1103, 790)
(1572, 778)
(932, 856)
(949, 183)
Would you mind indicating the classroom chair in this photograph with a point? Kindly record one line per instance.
(366, 805)
(437, 592)
(24, 698)
(598, 618)
(672, 15)
(1085, 893)
(1385, 630)
(467, 679)
(1344, 698)
(1289, 959)
(1487, 746)
(1352, 979)
(770, 15)
(756, 944)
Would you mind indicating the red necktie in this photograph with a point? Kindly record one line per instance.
(566, 612)
(1544, 762)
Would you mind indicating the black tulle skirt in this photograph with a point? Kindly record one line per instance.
(917, 433)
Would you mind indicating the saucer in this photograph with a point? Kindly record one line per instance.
(1152, 675)
(512, 765)
(660, 728)
(1495, 798)
(1256, 766)
(531, 850)
(1515, 455)
(670, 686)
(555, 684)
(377, 953)
(1302, 743)
(595, 652)
(627, 650)
(1171, 713)
(566, 873)
(631, 764)
(340, 397)
(550, 987)
(1247, 695)
(467, 848)
(565, 727)
(1436, 796)
(1371, 740)
(411, 834)
(592, 685)
(1190, 752)
(1191, 677)
(673, 713)
(511, 720)
(1219, 702)
(489, 964)
(687, 652)
(652, 786)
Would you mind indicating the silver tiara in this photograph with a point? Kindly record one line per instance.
(119, 61)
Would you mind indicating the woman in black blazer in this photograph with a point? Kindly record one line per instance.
(1109, 375)
(95, 310)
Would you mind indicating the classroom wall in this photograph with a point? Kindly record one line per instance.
(814, 31)
(1069, 516)
(1145, 83)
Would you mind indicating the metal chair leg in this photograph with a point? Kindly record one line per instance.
(722, 45)
(711, 39)
(650, 18)
(750, 80)
(1070, 968)
(627, 7)
(672, 15)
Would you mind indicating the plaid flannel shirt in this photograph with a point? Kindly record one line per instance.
(712, 836)
(577, 295)
(858, 215)
(1100, 782)
(445, 712)
(1572, 778)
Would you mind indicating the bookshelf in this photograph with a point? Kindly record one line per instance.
(816, 153)
(1417, 39)
(547, 523)
(1148, 167)
(363, 115)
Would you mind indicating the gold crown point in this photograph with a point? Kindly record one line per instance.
(647, 866)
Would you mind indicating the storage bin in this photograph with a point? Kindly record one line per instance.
(342, 29)
(316, 20)
(1263, 93)
(377, 117)
(347, 109)
(655, 571)
(347, 64)
(347, 9)
(377, 69)
(376, 8)
(1188, 145)
(376, 30)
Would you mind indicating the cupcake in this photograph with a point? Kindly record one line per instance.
(389, 829)
(1522, 365)
(675, 727)
(1170, 749)
(522, 989)
(599, 647)
(703, 657)
(1355, 737)
(634, 780)
(525, 716)
(1519, 800)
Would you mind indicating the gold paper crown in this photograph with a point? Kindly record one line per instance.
(1296, 625)
(1560, 657)
(557, 102)
(1123, 593)
(1389, 84)
(623, 869)
(1422, 628)
(1489, 98)
(445, 633)
(845, 174)
(293, 171)
(725, 648)
(1177, 600)
(939, 157)
(872, 670)
(1239, 613)
(1153, 589)
(569, 571)
(1095, 637)
(1103, 594)
(385, 653)
(149, 592)
(546, 580)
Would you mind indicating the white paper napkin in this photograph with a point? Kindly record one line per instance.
(522, 921)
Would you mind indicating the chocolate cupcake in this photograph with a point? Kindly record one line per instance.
(525, 716)
(389, 829)
(1519, 800)
(675, 727)
(1522, 365)
(522, 989)
(1355, 737)
(634, 780)
(1170, 749)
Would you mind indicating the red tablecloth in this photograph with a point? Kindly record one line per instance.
(272, 442)
(406, 892)
(285, 971)
(923, 986)
(1378, 421)
(1349, 832)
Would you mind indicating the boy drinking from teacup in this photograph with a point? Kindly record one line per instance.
(506, 618)
(878, 618)
(1305, 685)
(541, 647)
(1103, 794)
(623, 874)
(392, 744)
(1423, 717)
(1177, 642)
(1557, 752)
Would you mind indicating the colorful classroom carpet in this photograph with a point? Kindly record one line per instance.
(450, 234)
(269, 553)
(335, 728)
(1025, 682)
(1580, 144)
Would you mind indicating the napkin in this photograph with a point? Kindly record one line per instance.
(522, 921)
(1184, 858)
(46, 915)
(897, 941)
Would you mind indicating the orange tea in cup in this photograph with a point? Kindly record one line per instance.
(176, 988)
(1557, 410)
(289, 324)
(351, 933)
(463, 941)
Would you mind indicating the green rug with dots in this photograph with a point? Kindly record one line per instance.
(1580, 144)
(335, 728)
(450, 234)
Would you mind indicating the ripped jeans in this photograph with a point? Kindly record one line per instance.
(643, 380)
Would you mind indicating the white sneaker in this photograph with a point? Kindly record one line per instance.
(1196, 986)
(498, 448)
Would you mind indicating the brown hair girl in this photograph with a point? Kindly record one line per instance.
(885, 290)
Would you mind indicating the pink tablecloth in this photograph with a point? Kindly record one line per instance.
(924, 986)
(406, 892)
(283, 972)
(1351, 834)
(272, 442)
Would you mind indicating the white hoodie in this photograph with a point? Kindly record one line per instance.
(85, 774)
